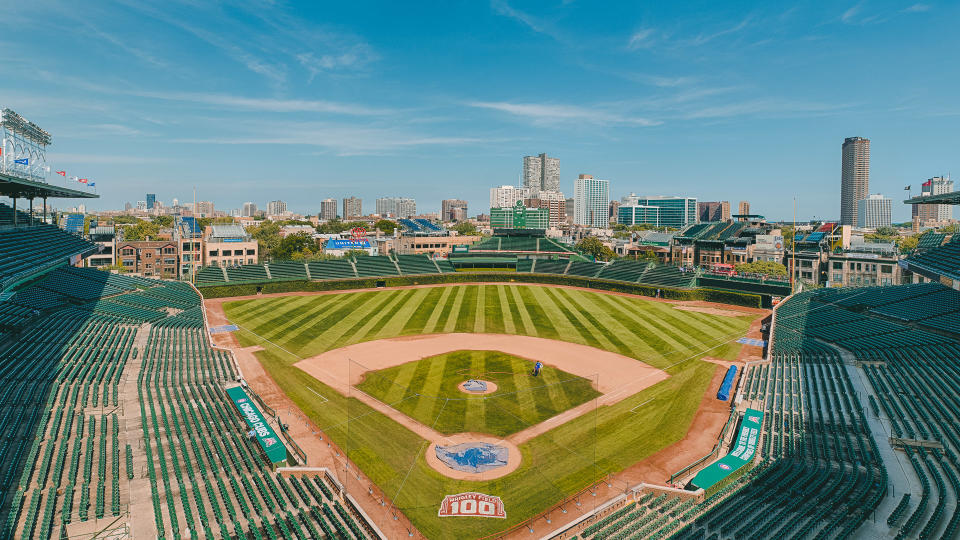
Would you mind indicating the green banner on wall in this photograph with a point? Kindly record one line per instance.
(271, 443)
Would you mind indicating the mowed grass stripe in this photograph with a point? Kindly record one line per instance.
(656, 337)
(465, 317)
(301, 340)
(608, 340)
(700, 321)
(377, 312)
(453, 310)
(505, 311)
(539, 319)
(480, 311)
(520, 312)
(634, 336)
(349, 317)
(674, 332)
(443, 303)
(279, 323)
(389, 317)
(492, 311)
(418, 321)
(402, 384)
(398, 319)
(428, 406)
(568, 327)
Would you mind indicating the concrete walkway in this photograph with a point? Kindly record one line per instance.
(901, 477)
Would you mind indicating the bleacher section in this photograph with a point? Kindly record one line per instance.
(25, 251)
(6, 216)
(99, 396)
(331, 269)
(347, 268)
(821, 474)
(283, 270)
(211, 275)
(929, 240)
(415, 264)
(376, 266)
(246, 273)
(938, 261)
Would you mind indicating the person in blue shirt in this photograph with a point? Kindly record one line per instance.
(536, 368)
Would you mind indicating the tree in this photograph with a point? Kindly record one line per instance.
(386, 226)
(788, 232)
(466, 228)
(296, 246)
(267, 235)
(141, 230)
(591, 245)
(163, 221)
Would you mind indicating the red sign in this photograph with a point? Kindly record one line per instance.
(472, 505)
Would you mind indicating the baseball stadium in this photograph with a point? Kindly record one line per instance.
(514, 390)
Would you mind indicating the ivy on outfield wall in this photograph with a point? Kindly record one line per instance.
(268, 287)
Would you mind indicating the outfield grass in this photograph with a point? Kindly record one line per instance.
(427, 391)
(555, 464)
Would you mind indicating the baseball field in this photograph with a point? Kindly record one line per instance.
(555, 463)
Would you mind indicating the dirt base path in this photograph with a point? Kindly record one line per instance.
(614, 375)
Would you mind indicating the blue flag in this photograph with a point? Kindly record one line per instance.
(24, 161)
(91, 184)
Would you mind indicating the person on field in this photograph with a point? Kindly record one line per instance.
(536, 368)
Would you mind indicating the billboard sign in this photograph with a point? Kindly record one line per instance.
(472, 504)
(337, 243)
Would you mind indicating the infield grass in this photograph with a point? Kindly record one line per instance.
(427, 390)
(555, 464)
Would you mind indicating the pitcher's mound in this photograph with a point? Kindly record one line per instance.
(477, 387)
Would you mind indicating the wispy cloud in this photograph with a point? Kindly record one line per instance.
(641, 39)
(102, 159)
(224, 101)
(546, 113)
(703, 39)
(269, 45)
(763, 107)
(534, 23)
(337, 138)
(851, 13)
(917, 8)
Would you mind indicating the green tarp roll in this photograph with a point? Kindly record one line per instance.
(743, 450)
(271, 443)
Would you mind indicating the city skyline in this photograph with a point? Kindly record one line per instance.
(763, 95)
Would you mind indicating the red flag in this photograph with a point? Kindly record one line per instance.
(82, 180)
(62, 173)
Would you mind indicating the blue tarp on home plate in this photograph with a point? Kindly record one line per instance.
(473, 457)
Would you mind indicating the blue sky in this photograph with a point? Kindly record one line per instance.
(259, 100)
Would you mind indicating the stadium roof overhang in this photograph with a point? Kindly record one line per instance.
(12, 186)
(944, 198)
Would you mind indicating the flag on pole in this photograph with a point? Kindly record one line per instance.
(82, 180)
(92, 184)
(75, 179)
(62, 173)
(23, 161)
(906, 188)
